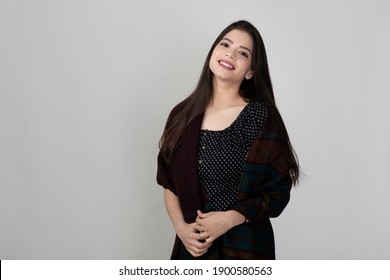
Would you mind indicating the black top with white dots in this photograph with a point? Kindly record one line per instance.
(221, 155)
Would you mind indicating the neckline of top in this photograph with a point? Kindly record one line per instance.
(231, 125)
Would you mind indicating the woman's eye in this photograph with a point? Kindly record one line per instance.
(244, 54)
(224, 45)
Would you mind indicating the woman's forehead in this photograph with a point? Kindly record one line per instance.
(239, 37)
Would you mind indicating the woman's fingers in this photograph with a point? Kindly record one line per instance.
(196, 254)
(206, 237)
(197, 248)
(195, 242)
(202, 215)
(198, 242)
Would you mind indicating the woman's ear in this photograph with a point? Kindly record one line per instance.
(249, 75)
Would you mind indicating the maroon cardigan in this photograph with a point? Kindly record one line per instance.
(181, 176)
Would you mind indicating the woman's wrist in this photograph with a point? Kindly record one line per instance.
(236, 218)
(179, 226)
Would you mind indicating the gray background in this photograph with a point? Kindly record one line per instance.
(85, 89)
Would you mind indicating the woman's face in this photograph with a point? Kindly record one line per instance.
(231, 59)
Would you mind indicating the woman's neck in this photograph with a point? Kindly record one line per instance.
(225, 95)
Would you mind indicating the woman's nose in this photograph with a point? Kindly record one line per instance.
(230, 55)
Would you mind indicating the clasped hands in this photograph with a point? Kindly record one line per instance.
(198, 236)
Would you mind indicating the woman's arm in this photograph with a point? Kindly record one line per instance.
(266, 182)
(188, 233)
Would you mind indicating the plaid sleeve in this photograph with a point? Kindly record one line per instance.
(265, 183)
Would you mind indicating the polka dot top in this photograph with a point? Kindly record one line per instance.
(221, 155)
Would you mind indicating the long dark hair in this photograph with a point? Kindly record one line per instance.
(259, 88)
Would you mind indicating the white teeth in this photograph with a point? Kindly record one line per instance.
(226, 64)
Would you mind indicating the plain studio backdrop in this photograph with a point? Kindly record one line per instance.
(86, 87)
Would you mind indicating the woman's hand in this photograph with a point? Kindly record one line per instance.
(213, 224)
(190, 236)
(188, 233)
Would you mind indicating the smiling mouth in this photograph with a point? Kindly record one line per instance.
(226, 64)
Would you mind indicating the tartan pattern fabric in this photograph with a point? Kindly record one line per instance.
(263, 193)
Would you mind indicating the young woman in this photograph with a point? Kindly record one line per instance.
(225, 161)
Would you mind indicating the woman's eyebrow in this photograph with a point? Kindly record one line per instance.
(243, 47)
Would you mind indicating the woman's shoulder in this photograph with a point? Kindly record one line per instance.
(176, 111)
(251, 120)
(256, 110)
(177, 108)
(257, 105)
